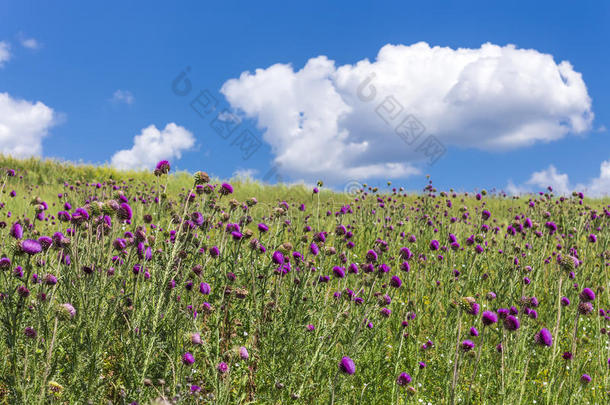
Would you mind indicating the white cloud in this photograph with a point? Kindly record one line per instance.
(23, 124)
(551, 177)
(319, 123)
(123, 96)
(560, 182)
(245, 174)
(600, 186)
(5, 53)
(152, 145)
(30, 43)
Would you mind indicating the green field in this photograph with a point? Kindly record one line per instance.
(126, 287)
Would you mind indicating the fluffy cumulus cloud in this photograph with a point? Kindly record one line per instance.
(5, 52)
(373, 118)
(23, 125)
(152, 145)
(560, 182)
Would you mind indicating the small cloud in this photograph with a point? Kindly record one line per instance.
(5, 53)
(30, 43)
(152, 145)
(245, 174)
(560, 182)
(123, 96)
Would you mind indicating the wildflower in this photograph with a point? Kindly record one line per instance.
(30, 332)
(222, 367)
(587, 295)
(188, 359)
(470, 305)
(467, 345)
(544, 337)
(243, 353)
(163, 167)
(16, 231)
(226, 189)
(67, 310)
(347, 366)
(489, 318)
(277, 257)
(50, 279)
(585, 308)
(204, 288)
(195, 338)
(201, 178)
(512, 323)
(395, 282)
(125, 213)
(23, 291)
(339, 272)
(585, 378)
(30, 246)
(403, 379)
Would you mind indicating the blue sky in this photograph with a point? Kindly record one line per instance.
(79, 54)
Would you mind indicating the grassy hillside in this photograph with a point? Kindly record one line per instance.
(126, 287)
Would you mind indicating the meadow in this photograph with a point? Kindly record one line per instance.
(162, 287)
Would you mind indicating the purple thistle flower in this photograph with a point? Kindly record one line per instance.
(395, 281)
(204, 288)
(565, 301)
(195, 338)
(16, 231)
(371, 256)
(125, 213)
(512, 323)
(347, 365)
(385, 312)
(544, 337)
(23, 291)
(188, 359)
(69, 309)
(339, 272)
(489, 318)
(277, 257)
(30, 246)
(226, 189)
(163, 167)
(467, 345)
(222, 367)
(50, 279)
(585, 378)
(243, 353)
(587, 295)
(403, 379)
(30, 332)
